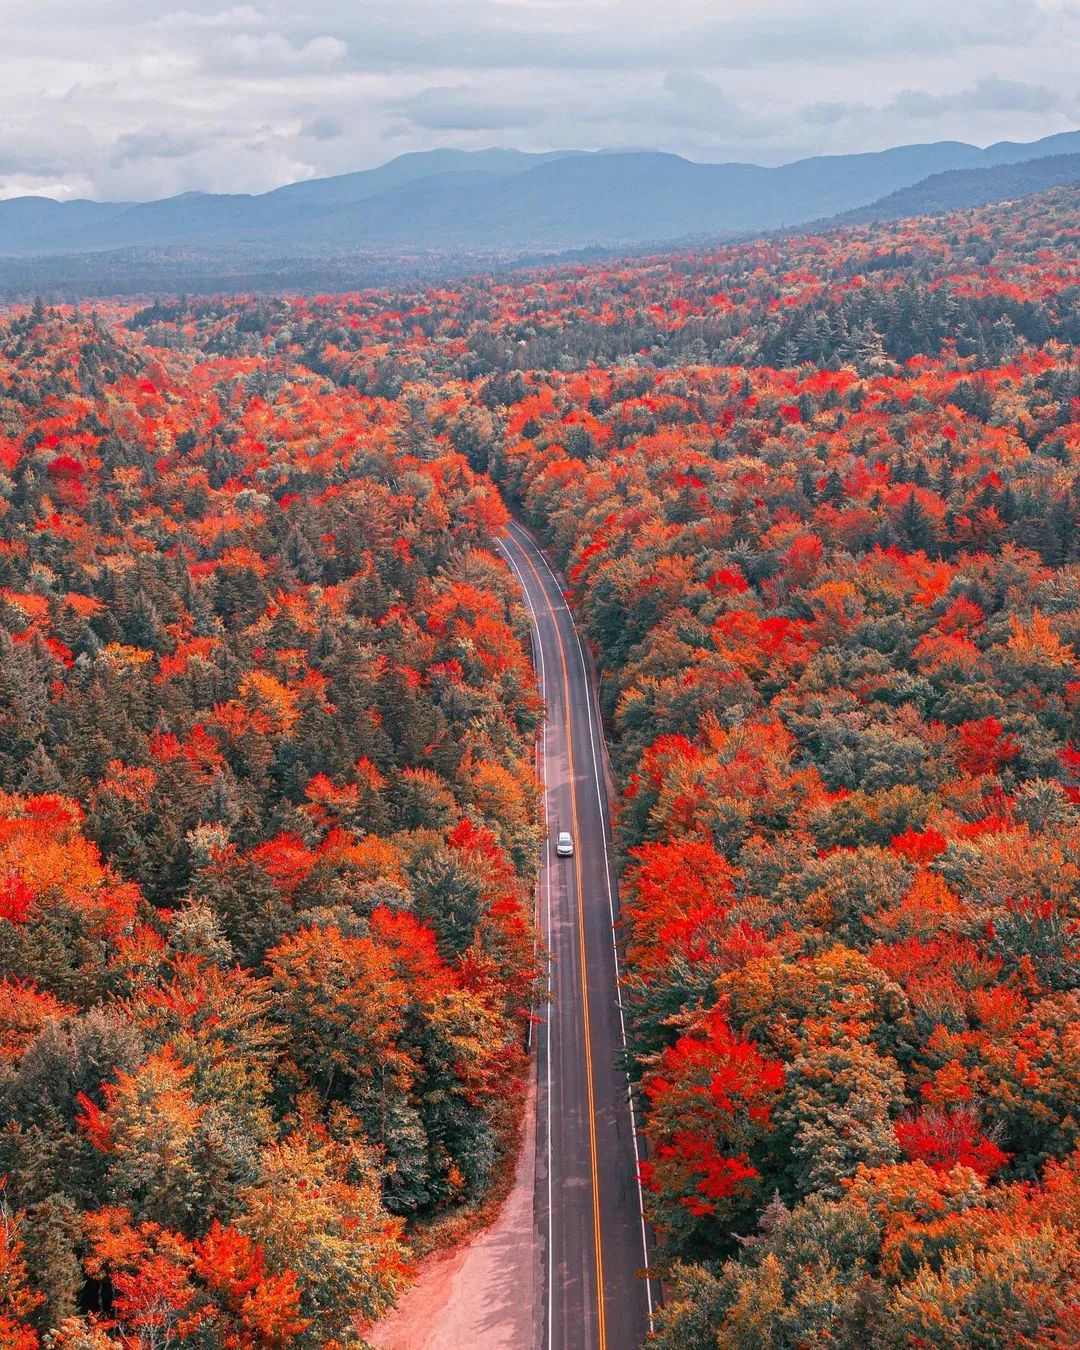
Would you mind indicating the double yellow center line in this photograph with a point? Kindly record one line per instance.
(581, 947)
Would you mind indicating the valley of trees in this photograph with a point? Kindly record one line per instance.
(268, 815)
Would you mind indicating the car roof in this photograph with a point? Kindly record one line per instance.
(564, 834)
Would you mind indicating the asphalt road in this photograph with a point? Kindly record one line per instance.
(587, 1204)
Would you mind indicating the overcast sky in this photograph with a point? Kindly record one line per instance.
(128, 99)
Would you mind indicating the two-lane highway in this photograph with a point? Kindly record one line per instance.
(588, 1208)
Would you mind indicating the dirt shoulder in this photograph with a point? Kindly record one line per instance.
(483, 1293)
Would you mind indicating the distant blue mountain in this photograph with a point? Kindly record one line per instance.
(505, 201)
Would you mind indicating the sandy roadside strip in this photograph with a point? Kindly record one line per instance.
(483, 1295)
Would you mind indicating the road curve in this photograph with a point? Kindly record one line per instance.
(587, 1204)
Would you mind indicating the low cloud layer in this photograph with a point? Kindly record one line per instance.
(130, 99)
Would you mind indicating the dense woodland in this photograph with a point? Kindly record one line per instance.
(269, 819)
(267, 838)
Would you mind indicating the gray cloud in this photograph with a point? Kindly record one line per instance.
(28, 149)
(459, 108)
(324, 128)
(990, 94)
(130, 98)
(634, 35)
(274, 54)
(830, 114)
(156, 143)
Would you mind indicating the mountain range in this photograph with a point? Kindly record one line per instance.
(499, 202)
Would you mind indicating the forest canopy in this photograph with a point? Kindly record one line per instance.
(267, 838)
(269, 818)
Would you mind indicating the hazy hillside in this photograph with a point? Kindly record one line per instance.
(504, 201)
(960, 188)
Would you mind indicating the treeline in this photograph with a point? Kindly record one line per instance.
(871, 296)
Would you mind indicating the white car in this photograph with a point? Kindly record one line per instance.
(564, 845)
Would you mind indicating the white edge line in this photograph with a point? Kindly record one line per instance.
(611, 909)
(547, 890)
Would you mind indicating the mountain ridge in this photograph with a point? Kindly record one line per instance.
(498, 199)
